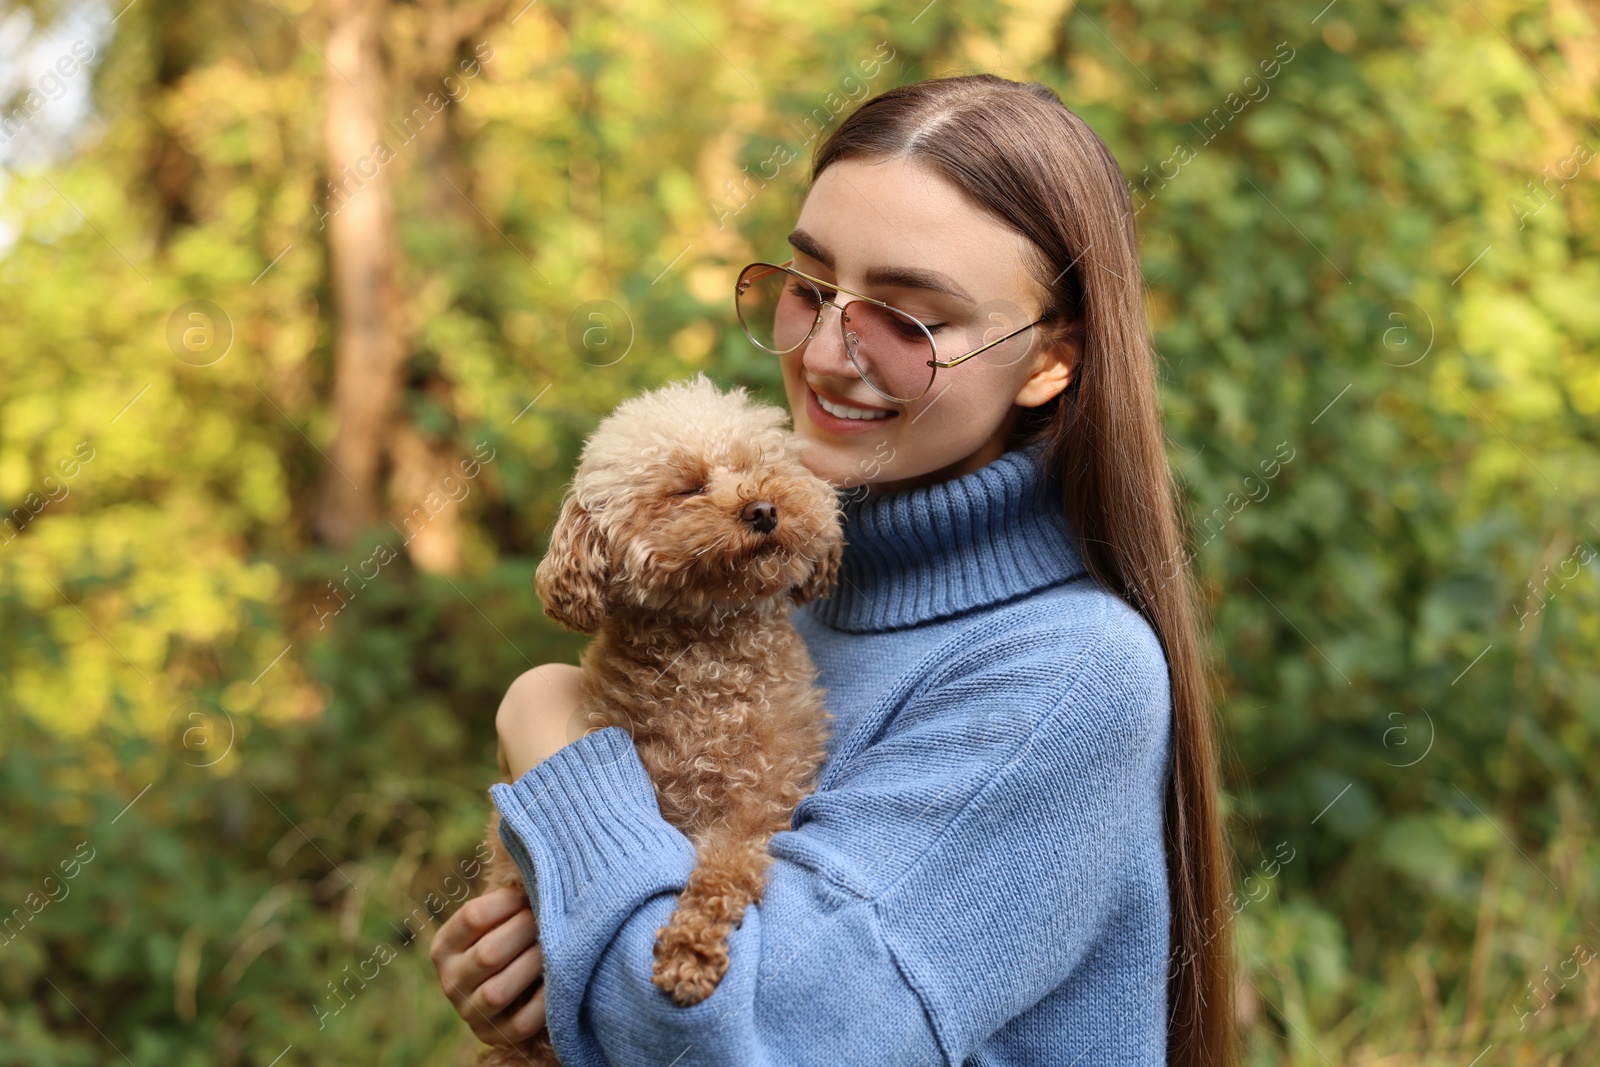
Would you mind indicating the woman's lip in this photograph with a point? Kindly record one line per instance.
(835, 424)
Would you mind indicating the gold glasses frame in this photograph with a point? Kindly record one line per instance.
(817, 285)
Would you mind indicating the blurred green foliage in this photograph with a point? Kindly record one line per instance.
(1378, 255)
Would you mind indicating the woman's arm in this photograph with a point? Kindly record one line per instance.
(946, 880)
(539, 716)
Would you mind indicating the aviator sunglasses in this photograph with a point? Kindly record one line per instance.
(894, 353)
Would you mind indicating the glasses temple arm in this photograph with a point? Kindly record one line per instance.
(943, 364)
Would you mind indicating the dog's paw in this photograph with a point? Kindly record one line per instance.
(690, 959)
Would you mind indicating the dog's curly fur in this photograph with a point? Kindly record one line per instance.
(663, 550)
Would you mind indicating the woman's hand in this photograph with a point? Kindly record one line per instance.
(538, 716)
(487, 955)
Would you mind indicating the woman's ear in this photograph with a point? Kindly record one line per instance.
(572, 577)
(1056, 369)
(822, 576)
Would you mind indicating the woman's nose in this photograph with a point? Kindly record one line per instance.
(825, 355)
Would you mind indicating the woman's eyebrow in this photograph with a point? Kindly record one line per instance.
(898, 277)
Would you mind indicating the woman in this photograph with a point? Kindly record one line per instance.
(1014, 854)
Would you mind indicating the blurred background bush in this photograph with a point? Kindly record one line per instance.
(275, 277)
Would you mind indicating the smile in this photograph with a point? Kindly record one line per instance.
(845, 411)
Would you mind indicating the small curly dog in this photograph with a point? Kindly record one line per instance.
(690, 529)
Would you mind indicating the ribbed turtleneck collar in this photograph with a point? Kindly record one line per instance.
(921, 554)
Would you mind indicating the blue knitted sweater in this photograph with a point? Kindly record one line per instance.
(978, 879)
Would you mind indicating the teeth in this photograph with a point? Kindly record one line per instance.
(845, 412)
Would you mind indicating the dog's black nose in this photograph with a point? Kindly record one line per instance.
(761, 514)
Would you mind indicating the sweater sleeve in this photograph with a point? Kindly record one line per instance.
(954, 872)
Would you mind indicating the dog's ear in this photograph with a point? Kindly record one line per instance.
(572, 577)
(822, 576)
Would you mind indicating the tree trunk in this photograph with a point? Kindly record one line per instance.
(370, 332)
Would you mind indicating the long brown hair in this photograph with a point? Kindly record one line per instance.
(1016, 149)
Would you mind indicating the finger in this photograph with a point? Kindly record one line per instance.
(498, 993)
(530, 1019)
(473, 919)
(495, 949)
(500, 1030)
(450, 940)
(462, 972)
(488, 910)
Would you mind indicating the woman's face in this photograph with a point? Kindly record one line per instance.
(936, 256)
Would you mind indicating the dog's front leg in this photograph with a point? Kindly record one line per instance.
(691, 952)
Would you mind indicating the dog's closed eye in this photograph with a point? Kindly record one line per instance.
(694, 491)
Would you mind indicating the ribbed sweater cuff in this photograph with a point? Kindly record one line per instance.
(591, 809)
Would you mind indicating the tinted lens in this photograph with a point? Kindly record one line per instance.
(892, 351)
(777, 308)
